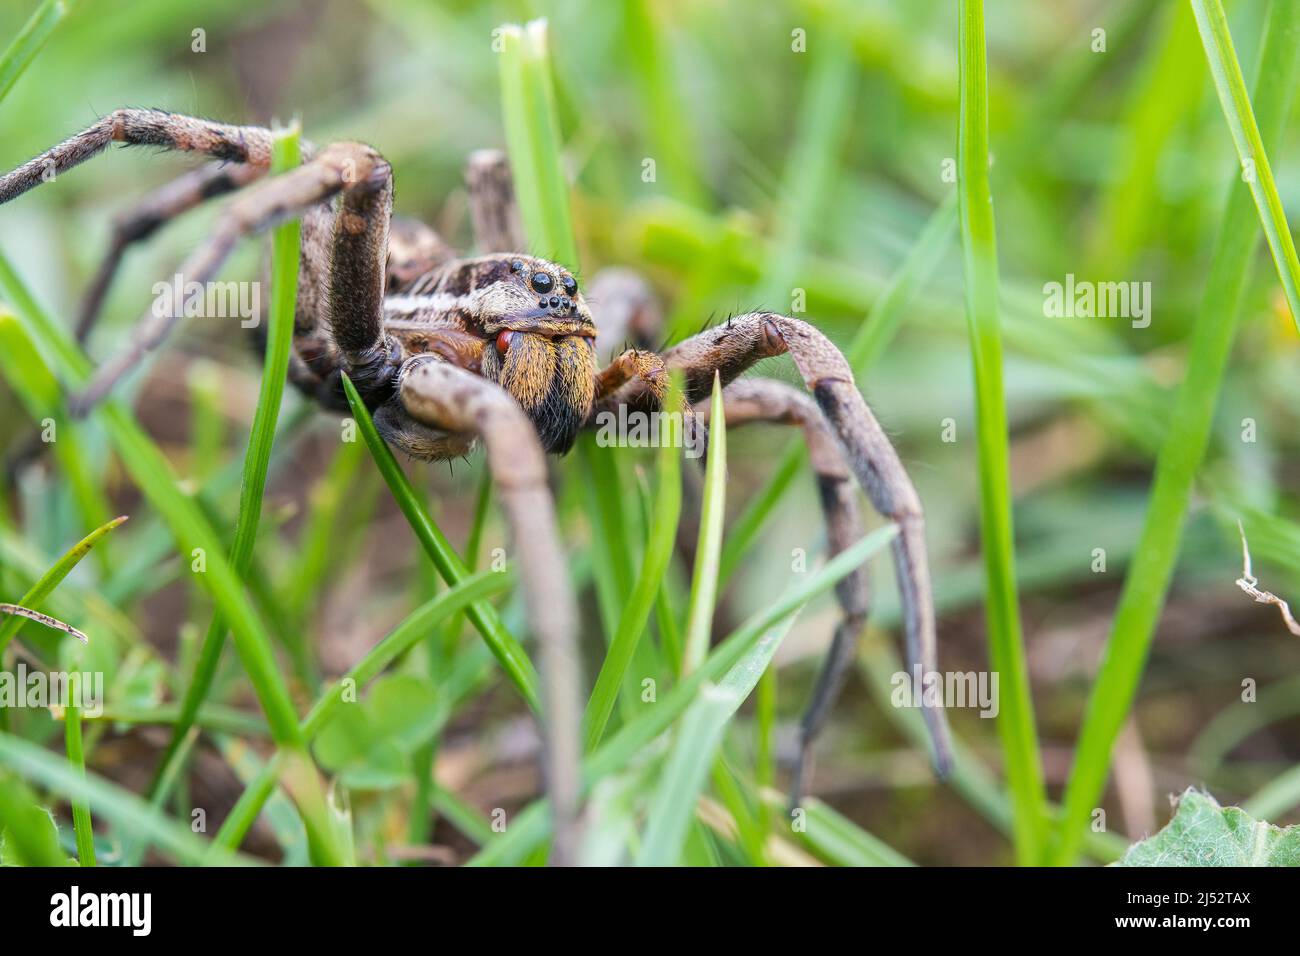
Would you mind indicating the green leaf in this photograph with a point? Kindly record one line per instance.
(414, 628)
(1202, 833)
(370, 744)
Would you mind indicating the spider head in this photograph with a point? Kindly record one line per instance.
(542, 349)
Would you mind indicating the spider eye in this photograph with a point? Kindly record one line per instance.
(570, 286)
(517, 266)
(543, 283)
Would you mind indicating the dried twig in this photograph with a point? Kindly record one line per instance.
(38, 617)
(1247, 582)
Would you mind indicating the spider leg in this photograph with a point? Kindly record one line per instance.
(626, 309)
(648, 367)
(150, 213)
(355, 273)
(414, 249)
(492, 206)
(443, 397)
(144, 127)
(734, 346)
(768, 400)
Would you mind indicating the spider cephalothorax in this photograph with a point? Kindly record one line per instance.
(538, 335)
(501, 348)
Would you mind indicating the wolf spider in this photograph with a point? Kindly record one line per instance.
(501, 347)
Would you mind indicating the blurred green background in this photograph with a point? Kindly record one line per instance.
(774, 169)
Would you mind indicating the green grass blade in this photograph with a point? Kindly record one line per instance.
(808, 181)
(38, 391)
(414, 628)
(672, 808)
(1276, 798)
(1256, 171)
(533, 138)
(835, 838)
(708, 550)
(156, 479)
(979, 246)
(83, 828)
(257, 457)
(193, 534)
(473, 545)
(532, 826)
(1151, 567)
(30, 835)
(665, 116)
(508, 651)
(658, 552)
(48, 581)
(467, 592)
(124, 809)
(29, 41)
(330, 502)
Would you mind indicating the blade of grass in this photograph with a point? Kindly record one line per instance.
(1180, 456)
(532, 130)
(672, 808)
(979, 246)
(708, 549)
(39, 591)
(83, 828)
(663, 112)
(414, 628)
(1276, 798)
(30, 835)
(440, 651)
(1256, 171)
(38, 391)
(808, 181)
(286, 155)
(658, 552)
(532, 826)
(329, 499)
(970, 779)
(29, 41)
(473, 545)
(193, 535)
(835, 838)
(154, 475)
(123, 808)
(533, 138)
(514, 660)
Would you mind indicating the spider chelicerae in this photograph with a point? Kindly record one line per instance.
(501, 347)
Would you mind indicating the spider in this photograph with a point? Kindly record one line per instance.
(448, 351)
